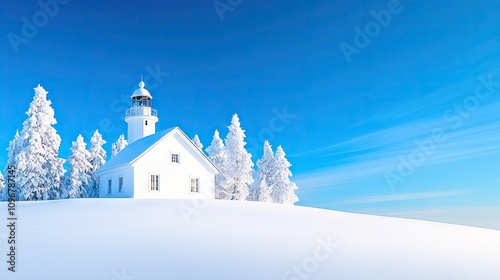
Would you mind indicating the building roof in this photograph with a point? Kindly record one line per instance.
(141, 91)
(133, 151)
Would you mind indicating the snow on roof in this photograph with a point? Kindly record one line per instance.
(141, 91)
(134, 150)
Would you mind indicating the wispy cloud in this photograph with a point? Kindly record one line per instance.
(406, 196)
(476, 216)
(375, 153)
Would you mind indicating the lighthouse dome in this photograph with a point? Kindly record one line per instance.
(141, 91)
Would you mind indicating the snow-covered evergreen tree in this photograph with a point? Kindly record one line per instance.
(2, 185)
(197, 142)
(12, 152)
(217, 155)
(118, 146)
(265, 170)
(79, 179)
(239, 167)
(97, 159)
(265, 191)
(283, 190)
(38, 168)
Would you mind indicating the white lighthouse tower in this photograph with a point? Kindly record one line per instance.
(141, 117)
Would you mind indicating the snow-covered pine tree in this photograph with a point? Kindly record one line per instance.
(239, 167)
(97, 159)
(197, 142)
(283, 190)
(265, 191)
(217, 155)
(12, 152)
(78, 179)
(38, 168)
(118, 146)
(265, 170)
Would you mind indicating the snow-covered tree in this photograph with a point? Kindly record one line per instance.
(118, 146)
(197, 142)
(97, 159)
(2, 185)
(79, 179)
(239, 167)
(283, 190)
(265, 191)
(265, 170)
(38, 168)
(217, 155)
(12, 152)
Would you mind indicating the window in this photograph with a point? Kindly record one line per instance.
(146, 121)
(195, 185)
(110, 182)
(154, 182)
(175, 158)
(120, 184)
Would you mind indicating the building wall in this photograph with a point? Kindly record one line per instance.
(174, 178)
(127, 172)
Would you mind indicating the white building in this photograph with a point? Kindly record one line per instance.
(165, 164)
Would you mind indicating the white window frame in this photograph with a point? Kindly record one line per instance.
(110, 186)
(120, 184)
(191, 178)
(150, 182)
(178, 157)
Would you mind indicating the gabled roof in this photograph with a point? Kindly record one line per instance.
(135, 150)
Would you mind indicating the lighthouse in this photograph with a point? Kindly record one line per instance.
(141, 117)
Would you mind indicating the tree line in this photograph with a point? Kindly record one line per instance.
(40, 173)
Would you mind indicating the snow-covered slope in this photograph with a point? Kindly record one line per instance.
(181, 239)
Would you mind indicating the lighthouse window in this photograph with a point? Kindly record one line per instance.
(146, 122)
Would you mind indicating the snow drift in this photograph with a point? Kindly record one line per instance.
(182, 239)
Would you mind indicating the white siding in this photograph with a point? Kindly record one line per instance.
(127, 172)
(175, 178)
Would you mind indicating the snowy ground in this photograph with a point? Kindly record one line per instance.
(152, 239)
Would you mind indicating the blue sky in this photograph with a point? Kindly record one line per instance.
(417, 90)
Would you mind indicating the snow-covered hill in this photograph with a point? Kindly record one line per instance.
(181, 239)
